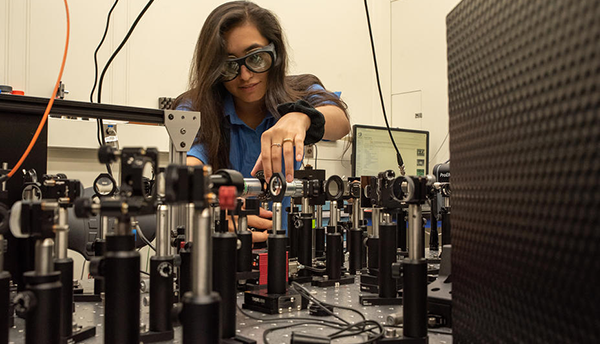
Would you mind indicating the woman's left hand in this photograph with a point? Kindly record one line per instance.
(288, 133)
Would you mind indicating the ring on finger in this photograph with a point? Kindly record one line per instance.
(288, 140)
(275, 144)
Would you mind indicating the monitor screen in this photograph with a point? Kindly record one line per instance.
(373, 151)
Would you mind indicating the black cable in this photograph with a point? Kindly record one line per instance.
(269, 330)
(313, 269)
(99, 124)
(278, 319)
(363, 323)
(234, 225)
(144, 239)
(98, 49)
(398, 155)
(112, 57)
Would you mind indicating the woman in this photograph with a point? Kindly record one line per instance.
(237, 81)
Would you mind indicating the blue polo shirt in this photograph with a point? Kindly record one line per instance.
(244, 141)
(244, 145)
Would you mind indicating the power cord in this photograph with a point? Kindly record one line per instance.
(143, 237)
(99, 125)
(96, 54)
(398, 155)
(125, 39)
(110, 60)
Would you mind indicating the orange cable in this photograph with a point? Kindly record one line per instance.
(50, 103)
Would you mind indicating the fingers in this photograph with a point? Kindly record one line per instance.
(259, 236)
(258, 166)
(276, 146)
(259, 222)
(265, 152)
(288, 157)
(299, 144)
(264, 213)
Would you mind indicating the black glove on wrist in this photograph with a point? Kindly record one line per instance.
(316, 130)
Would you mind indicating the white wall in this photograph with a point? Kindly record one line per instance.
(419, 70)
(326, 38)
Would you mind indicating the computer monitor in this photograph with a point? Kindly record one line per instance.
(373, 151)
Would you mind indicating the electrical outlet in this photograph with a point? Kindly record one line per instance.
(309, 152)
(110, 135)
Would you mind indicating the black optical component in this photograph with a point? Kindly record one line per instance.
(258, 61)
(105, 185)
(334, 188)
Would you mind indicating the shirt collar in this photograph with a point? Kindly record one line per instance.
(229, 110)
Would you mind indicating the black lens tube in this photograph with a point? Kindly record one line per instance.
(161, 293)
(333, 265)
(41, 300)
(122, 290)
(372, 252)
(244, 254)
(355, 239)
(319, 242)
(401, 234)
(414, 296)
(42, 303)
(4, 304)
(99, 251)
(185, 269)
(65, 267)
(224, 279)
(305, 243)
(387, 256)
(276, 279)
(316, 239)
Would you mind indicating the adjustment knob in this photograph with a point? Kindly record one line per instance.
(227, 197)
(107, 154)
(83, 207)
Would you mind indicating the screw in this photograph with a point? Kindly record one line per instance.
(182, 131)
(182, 144)
(171, 116)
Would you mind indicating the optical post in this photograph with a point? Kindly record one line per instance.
(334, 189)
(414, 267)
(276, 298)
(386, 194)
(122, 287)
(313, 197)
(64, 192)
(41, 299)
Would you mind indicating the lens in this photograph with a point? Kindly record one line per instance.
(104, 186)
(230, 70)
(259, 62)
(276, 186)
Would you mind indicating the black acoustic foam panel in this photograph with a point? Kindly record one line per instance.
(524, 103)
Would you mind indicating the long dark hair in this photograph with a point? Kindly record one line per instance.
(206, 91)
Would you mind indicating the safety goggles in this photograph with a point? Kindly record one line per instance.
(258, 61)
